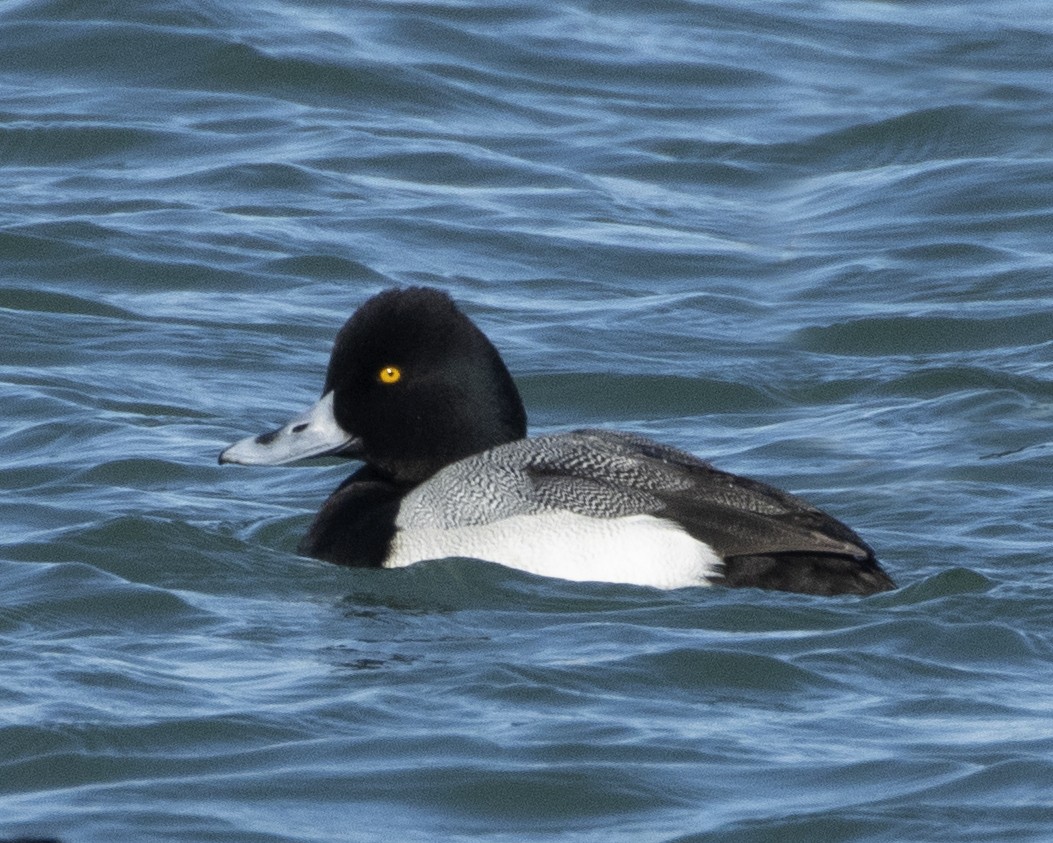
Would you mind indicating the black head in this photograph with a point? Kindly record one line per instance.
(420, 385)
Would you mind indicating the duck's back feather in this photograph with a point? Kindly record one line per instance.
(766, 537)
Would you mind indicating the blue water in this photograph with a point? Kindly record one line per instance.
(808, 241)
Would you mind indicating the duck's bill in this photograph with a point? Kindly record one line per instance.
(312, 434)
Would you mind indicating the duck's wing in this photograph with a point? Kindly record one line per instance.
(768, 538)
(606, 475)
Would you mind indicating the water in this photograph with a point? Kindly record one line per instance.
(808, 241)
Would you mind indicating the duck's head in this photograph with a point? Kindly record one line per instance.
(412, 386)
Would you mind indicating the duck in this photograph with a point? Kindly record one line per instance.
(418, 394)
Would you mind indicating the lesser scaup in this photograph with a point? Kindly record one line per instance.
(418, 393)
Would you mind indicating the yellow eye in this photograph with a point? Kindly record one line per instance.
(389, 375)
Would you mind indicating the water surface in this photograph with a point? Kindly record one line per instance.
(808, 241)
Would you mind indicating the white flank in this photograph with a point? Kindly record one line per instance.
(637, 549)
